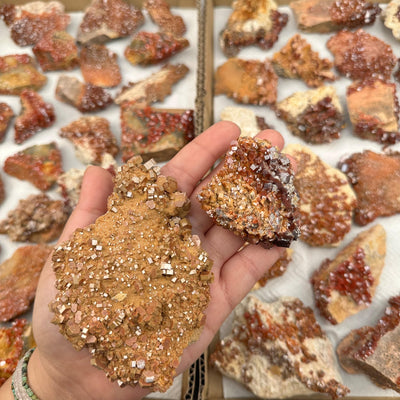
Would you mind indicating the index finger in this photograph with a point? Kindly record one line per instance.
(97, 185)
(197, 157)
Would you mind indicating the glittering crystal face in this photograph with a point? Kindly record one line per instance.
(253, 194)
(133, 287)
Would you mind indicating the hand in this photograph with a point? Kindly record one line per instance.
(56, 369)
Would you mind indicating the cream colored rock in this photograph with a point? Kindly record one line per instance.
(244, 118)
(255, 22)
(273, 363)
(298, 102)
(391, 19)
(154, 88)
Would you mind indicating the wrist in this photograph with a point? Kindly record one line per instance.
(62, 382)
(46, 382)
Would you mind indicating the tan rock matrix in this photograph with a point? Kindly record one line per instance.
(133, 286)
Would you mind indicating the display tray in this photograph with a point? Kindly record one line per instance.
(183, 96)
(306, 259)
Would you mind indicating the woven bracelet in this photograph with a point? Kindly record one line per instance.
(19, 384)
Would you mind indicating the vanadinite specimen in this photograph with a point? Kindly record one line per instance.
(18, 72)
(278, 269)
(6, 113)
(376, 181)
(253, 194)
(109, 19)
(36, 219)
(374, 110)
(153, 88)
(297, 60)
(346, 285)
(278, 350)
(331, 15)
(15, 340)
(151, 48)
(252, 22)
(35, 116)
(327, 200)
(19, 276)
(359, 55)
(161, 14)
(99, 65)
(92, 138)
(247, 81)
(28, 23)
(133, 287)
(40, 164)
(84, 97)
(374, 350)
(154, 133)
(315, 115)
(56, 51)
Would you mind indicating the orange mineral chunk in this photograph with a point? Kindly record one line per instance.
(154, 133)
(255, 22)
(19, 276)
(278, 269)
(84, 97)
(253, 194)
(40, 164)
(374, 350)
(6, 113)
(105, 20)
(15, 340)
(327, 200)
(133, 287)
(347, 284)
(92, 138)
(18, 72)
(375, 179)
(360, 55)
(29, 22)
(56, 51)
(154, 88)
(152, 48)
(332, 15)
(37, 219)
(161, 15)
(35, 116)
(99, 65)
(315, 115)
(247, 81)
(374, 110)
(297, 60)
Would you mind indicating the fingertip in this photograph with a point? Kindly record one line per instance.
(96, 183)
(273, 136)
(227, 128)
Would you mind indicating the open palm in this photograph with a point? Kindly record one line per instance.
(56, 367)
